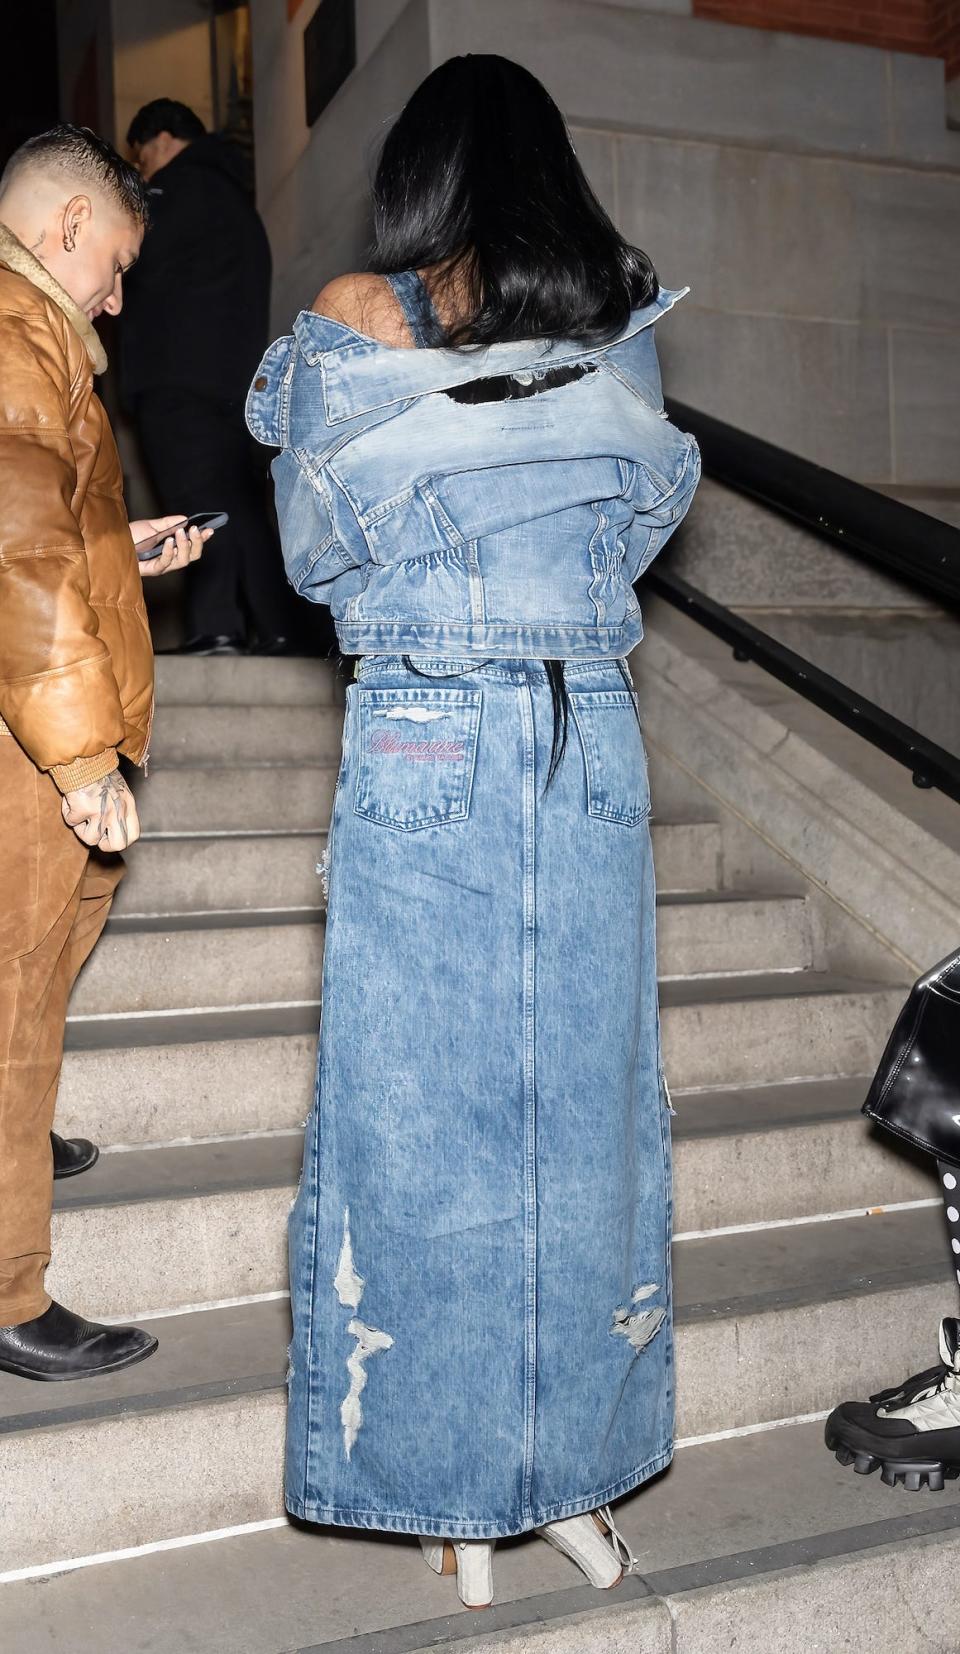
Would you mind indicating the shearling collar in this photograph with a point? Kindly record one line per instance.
(19, 259)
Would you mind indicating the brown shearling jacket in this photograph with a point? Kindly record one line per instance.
(76, 660)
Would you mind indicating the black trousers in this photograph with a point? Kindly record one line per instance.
(202, 458)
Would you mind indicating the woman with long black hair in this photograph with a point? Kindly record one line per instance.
(475, 469)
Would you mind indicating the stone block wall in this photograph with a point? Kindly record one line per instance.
(807, 190)
(931, 27)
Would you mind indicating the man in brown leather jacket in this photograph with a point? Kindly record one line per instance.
(76, 686)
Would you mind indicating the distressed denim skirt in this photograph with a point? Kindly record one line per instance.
(480, 1243)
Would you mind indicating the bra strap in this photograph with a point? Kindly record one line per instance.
(415, 302)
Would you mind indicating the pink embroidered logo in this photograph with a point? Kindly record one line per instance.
(417, 752)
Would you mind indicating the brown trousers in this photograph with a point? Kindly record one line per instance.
(54, 901)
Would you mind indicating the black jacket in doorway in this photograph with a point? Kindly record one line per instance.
(196, 305)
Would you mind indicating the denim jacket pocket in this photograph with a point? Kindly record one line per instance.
(608, 723)
(418, 749)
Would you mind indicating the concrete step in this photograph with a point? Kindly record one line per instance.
(741, 1540)
(132, 1079)
(747, 1029)
(708, 934)
(245, 681)
(232, 735)
(217, 799)
(248, 873)
(176, 1224)
(774, 1153)
(169, 1079)
(771, 1325)
(208, 965)
(761, 1154)
(162, 1228)
(296, 797)
(279, 736)
(146, 970)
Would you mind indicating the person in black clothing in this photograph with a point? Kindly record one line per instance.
(195, 325)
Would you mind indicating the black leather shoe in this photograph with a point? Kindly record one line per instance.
(72, 1155)
(59, 1345)
(208, 643)
(274, 646)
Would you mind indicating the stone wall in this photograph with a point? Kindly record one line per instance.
(928, 26)
(806, 190)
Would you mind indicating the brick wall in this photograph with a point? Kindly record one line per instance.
(931, 27)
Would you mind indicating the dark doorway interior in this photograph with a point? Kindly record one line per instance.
(30, 100)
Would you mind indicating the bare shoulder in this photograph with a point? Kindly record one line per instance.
(366, 303)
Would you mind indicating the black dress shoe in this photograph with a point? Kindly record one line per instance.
(72, 1155)
(58, 1345)
(208, 643)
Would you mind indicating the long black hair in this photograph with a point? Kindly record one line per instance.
(478, 176)
(478, 181)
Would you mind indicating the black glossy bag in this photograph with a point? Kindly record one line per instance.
(916, 1089)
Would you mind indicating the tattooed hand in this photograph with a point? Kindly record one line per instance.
(103, 815)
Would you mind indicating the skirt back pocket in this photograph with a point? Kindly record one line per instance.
(618, 788)
(418, 750)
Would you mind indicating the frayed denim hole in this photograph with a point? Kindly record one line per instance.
(349, 1285)
(639, 1326)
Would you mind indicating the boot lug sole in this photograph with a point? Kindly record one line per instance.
(913, 1474)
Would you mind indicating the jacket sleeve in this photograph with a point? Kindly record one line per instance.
(311, 553)
(662, 519)
(58, 694)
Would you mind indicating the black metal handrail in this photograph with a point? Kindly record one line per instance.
(931, 766)
(914, 547)
(917, 549)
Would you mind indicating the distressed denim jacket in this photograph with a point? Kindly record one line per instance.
(499, 500)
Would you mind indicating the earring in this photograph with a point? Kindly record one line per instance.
(69, 241)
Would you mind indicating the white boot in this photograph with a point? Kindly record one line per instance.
(472, 1562)
(594, 1544)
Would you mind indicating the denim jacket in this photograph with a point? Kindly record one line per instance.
(500, 500)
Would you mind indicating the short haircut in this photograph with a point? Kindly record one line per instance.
(165, 115)
(79, 155)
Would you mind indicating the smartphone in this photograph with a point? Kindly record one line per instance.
(150, 548)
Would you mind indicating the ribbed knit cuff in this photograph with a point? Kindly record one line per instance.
(83, 772)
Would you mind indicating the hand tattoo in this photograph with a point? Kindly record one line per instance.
(113, 787)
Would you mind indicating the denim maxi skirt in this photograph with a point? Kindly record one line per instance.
(480, 1243)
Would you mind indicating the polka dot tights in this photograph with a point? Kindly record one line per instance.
(950, 1183)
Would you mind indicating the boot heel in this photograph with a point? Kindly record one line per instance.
(439, 1555)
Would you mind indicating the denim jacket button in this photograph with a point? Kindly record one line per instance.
(260, 383)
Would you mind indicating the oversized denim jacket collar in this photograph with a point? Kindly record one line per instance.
(414, 516)
(361, 375)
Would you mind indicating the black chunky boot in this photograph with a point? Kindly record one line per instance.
(911, 1434)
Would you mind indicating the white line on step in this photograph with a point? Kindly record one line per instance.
(46, 1568)
(736, 972)
(198, 1010)
(196, 1142)
(798, 1223)
(240, 913)
(194, 1309)
(749, 1430)
(233, 832)
(769, 1085)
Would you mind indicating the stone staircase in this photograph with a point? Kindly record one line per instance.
(808, 1261)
